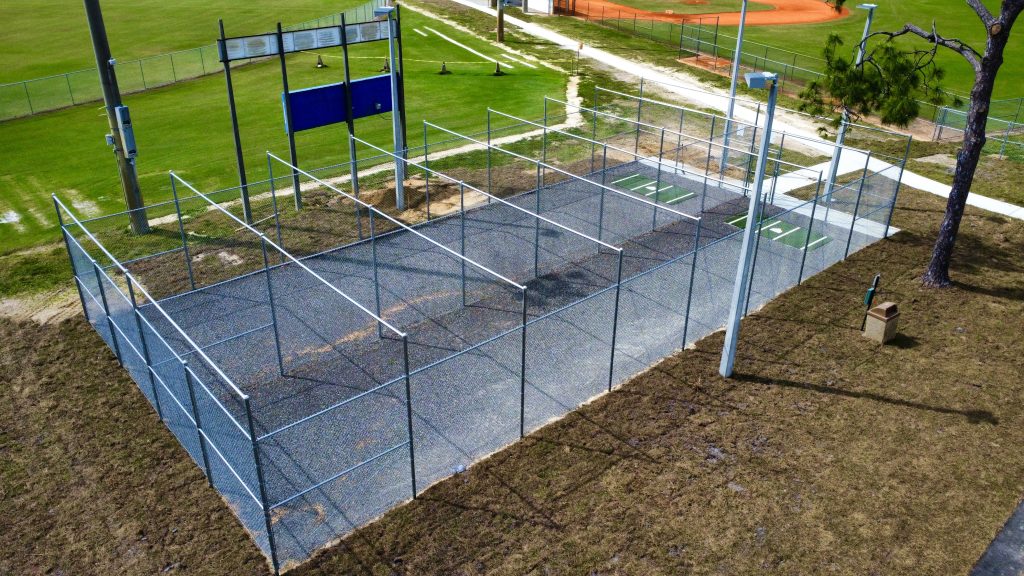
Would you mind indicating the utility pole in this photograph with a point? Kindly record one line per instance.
(119, 127)
(501, 21)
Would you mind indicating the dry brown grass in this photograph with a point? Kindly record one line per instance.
(827, 454)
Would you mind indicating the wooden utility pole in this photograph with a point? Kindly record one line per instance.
(501, 21)
(112, 101)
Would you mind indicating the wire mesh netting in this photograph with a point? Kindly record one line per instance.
(328, 343)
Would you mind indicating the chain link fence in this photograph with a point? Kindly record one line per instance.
(30, 97)
(341, 351)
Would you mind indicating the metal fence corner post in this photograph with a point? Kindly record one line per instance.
(693, 273)
(273, 308)
(522, 369)
(810, 229)
(615, 321)
(262, 486)
(856, 206)
(71, 260)
(462, 248)
(408, 413)
(376, 277)
(181, 229)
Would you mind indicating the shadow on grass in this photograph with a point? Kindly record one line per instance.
(972, 416)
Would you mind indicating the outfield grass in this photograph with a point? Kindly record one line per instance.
(186, 127)
(52, 37)
(953, 19)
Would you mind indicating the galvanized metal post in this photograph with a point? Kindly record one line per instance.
(142, 340)
(896, 193)
(462, 249)
(757, 248)
(536, 231)
(489, 187)
(734, 80)
(293, 155)
(639, 107)
(353, 162)
(262, 487)
(615, 321)
(181, 229)
(679, 139)
(657, 181)
(593, 142)
(198, 420)
(522, 372)
(376, 279)
(856, 206)
(273, 308)
(106, 311)
(810, 229)
(239, 156)
(707, 163)
(71, 259)
(408, 413)
(693, 273)
(600, 206)
(426, 172)
(273, 201)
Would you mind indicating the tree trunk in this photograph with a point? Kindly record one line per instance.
(937, 274)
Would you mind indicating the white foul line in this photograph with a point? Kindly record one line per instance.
(420, 32)
(467, 48)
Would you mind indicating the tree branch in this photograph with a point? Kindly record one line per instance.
(970, 54)
(982, 12)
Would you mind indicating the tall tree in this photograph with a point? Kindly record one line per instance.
(893, 78)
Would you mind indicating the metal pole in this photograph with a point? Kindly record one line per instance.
(408, 413)
(273, 201)
(353, 162)
(743, 267)
(856, 206)
(639, 108)
(892, 206)
(112, 100)
(142, 340)
(615, 321)
(489, 190)
(833, 168)
(376, 279)
(810, 228)
(600, 206)
(732, 87)
(396, 115)
(199, 423)
(286, 96)
(74, 273)
(262, 486)
(462, 249)
(522, 373)
(657, 181)
(273, 309)
(184, 238)
(426, 173)
(106, 311)
(536, 230)
(693, 273)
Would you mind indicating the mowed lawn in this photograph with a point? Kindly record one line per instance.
(953, 19)
(52, 37)
(186, 127)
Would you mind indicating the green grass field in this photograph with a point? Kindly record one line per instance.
(44, 38)
(778, 230)
(186, 127)
(953, 19)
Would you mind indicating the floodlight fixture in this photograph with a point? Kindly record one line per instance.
(758, 80)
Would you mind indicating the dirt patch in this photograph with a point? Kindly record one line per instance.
(783, 12)
(946, 160)
(43, 308)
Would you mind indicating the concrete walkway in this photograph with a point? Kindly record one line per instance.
(702, 96)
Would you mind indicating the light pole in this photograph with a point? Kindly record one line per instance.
(732, 88)
(754, 80)
(833, 168)
(396, 113)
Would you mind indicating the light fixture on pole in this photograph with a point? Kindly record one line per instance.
(833, 168)
(755, 80)
(732, 88)
(396, 113)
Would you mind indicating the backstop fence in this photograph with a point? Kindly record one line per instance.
(323, 365)
(29, 97)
